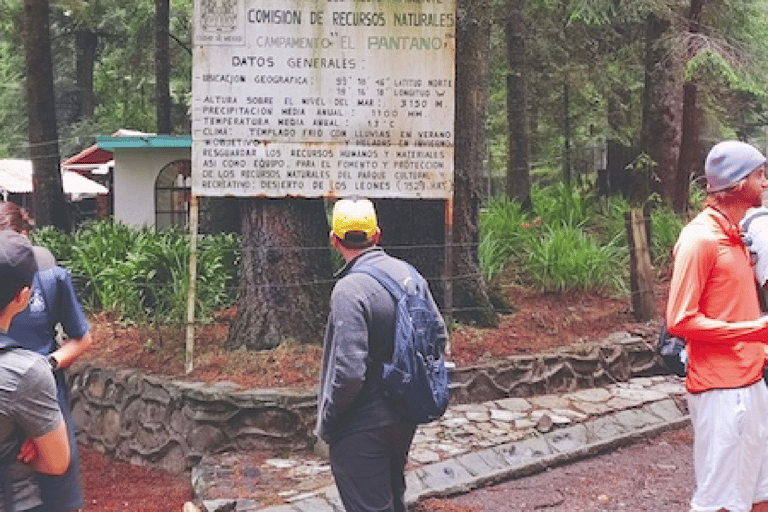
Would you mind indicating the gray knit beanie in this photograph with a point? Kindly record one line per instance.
(728, 162)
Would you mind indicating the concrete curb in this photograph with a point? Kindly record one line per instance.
(547, 462)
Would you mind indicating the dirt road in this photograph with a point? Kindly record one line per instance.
(653, 475)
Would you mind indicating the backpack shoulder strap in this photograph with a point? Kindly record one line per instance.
(383, 278)
(6, 342)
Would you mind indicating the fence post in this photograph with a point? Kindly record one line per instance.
(641, 275)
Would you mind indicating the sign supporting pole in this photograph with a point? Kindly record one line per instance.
(448, 272)
(193, 222)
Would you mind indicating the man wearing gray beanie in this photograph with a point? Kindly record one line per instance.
(713, 305)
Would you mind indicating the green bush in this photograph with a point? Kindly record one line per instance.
(561, 204)
(506, 231)
(577, 241)
(58, 242)
(665, 228)
(566, 258)
(142, 274)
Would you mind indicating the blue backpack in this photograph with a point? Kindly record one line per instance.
(416, 381)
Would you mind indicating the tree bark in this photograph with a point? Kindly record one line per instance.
(86, 42)
(619, 154)
(662, 114)
(690, 163)
(415, 230)
(162, 67)
(50, 207)
(285, 274)
(473, 34)
(691, 149)
(518, 163)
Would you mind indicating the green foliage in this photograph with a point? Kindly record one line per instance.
(13, 126)
(142, 274)
(665, 228)
(578, 242)
(505, 234)
(560, 203)
(566, 258)
(712, 66)
(58, 242)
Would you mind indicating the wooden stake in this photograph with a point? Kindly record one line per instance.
(641, 274)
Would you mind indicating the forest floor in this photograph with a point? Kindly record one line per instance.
(540, 322)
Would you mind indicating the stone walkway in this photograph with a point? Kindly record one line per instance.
(479, 444)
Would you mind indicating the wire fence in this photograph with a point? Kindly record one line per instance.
(158, 295)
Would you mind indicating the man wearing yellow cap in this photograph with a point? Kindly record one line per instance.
(367, 439)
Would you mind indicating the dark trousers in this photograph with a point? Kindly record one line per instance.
(369, 468)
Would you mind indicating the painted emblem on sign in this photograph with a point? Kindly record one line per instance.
(218, 15)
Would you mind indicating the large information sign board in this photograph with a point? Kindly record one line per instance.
(319, 98)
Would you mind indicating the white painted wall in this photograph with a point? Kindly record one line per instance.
(136, 170)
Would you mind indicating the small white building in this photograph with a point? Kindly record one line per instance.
(151, 182)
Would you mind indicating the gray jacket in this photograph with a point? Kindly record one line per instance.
(359, 338)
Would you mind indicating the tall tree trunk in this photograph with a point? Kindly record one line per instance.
(162, 66)
(473, 38)
(86, 42)
(662, 114)
(518, 164)
(691, 149)
(415, 230)
(567, 157)
(50, 208)
(618, 154)
(690, 163)
(534, 142)
(285, 274)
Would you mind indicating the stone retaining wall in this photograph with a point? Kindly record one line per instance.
(147, 420)
(617, 359)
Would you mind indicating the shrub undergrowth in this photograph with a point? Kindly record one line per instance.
(142, 274)
(569, 241)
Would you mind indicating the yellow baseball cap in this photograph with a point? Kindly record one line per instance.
(354, 216)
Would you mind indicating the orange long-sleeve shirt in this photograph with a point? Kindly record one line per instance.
(713, 305)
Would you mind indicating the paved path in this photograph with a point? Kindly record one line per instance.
(475, 445)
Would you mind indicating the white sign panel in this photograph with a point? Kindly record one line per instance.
(323, 98)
